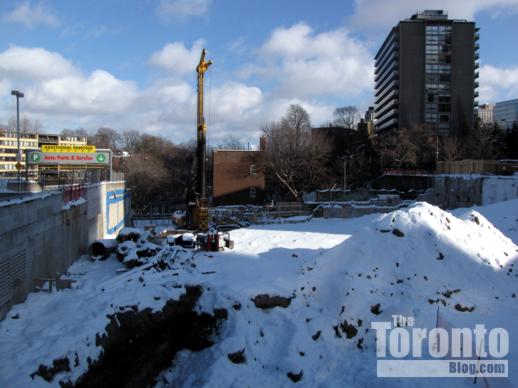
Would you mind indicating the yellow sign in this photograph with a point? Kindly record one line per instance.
(19, 166)
(68, 148)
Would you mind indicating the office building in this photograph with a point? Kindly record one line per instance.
(425, 74)
(506, 113)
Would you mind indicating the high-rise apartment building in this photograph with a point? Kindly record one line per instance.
(426, 71)
(486, 114)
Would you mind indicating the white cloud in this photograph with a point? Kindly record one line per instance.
(497, 84)
(182, 9)
(32, 15)
(54, 87)
(306, 63)
(60, 95)
(177, 58)
(234, 102)
(381, 14)
(168, 108)
(33, 63)
(97, 94)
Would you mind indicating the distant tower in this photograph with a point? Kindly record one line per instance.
(369, 114)
(486, 114)
(426, 71)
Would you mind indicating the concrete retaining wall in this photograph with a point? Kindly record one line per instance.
(42, 236)
(452, 191)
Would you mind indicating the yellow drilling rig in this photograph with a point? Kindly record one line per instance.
(197, 208)
(200, 216)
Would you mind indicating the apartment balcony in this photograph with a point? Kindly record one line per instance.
(477, 46)
(476, 94)
(477, 36)
(476, 85)
(476, 75)
(477, 65)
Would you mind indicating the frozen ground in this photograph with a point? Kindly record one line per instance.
(409, 262)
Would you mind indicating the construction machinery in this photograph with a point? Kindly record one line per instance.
(199, 209)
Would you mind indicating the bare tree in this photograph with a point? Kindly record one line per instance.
(397, 150)
(297, 162)
(482, 142)
(345, 116)
(298, 120)
(26, 124)
(145, 174)
(106, 138)
(451, 148)
(130, 140)
(158, 172)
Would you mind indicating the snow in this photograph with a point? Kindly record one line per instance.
(503, 215)
(498, 189)
(334, 269)
(24, 197)
(75, 202)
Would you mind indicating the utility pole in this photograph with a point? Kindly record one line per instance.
(18, 156)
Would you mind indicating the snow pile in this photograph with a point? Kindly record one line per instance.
(503, 215)
(300, 299)
(413, 262)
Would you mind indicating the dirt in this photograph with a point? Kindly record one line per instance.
(265, 301)
(48, 372)
(295, 377)
(396, 232)
(464, 309)
(237, 357)
(140, 344)
(375, 309)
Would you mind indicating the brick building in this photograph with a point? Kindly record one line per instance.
(238, 177)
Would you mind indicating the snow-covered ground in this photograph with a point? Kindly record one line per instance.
(410, 262)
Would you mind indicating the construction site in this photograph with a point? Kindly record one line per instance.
(236, 286)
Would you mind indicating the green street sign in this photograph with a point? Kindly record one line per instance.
(101, 158)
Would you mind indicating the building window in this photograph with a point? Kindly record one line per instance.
(253, 192)
(253, 169)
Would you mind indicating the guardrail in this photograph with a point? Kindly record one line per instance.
(74, 192)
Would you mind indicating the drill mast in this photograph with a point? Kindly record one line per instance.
(201, 218)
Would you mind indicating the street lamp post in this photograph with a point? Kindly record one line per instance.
(18, 157)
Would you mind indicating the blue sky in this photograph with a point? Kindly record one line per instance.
(130, 64)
